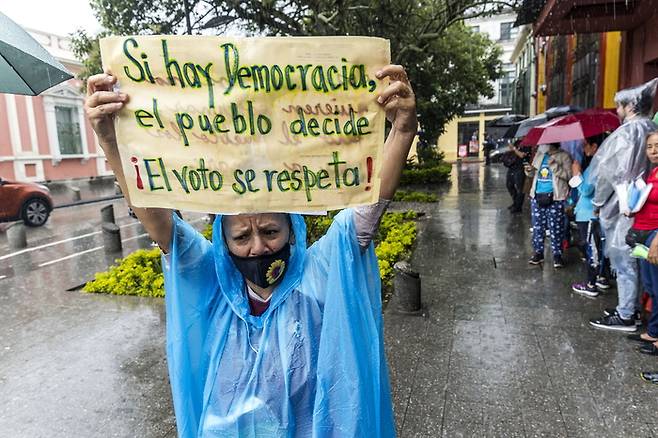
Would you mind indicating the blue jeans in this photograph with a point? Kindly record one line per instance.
(627, 271)
(649, 275)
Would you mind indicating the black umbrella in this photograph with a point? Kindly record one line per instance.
(506, 121)
(558, 111)
(520, 129)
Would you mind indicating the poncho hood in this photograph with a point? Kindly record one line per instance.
(232, 283)
(640, 98)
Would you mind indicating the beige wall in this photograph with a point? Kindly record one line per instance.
(448, 141)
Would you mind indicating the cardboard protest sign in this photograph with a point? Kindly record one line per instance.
(236, 125)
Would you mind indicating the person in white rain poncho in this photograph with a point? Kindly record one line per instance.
(266, 337)
(620, 160)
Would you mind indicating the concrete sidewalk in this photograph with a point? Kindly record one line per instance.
(91, 189)
(504, 349)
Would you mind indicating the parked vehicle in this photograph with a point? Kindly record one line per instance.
(29, 202)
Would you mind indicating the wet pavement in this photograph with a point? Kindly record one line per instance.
(90, 189)
(504, 348)
(75, 364)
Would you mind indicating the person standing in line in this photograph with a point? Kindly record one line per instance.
(643, 231)
(620, 161)
(589, 228)
(550, 188)
(514, 160)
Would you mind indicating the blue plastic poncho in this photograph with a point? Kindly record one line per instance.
(312, 365)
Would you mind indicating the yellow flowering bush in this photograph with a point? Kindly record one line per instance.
(139, 273)
(397, 234)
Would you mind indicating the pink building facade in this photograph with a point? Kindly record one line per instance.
(48, 137)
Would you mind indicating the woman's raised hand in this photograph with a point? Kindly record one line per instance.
(101, 104)
(398, 99)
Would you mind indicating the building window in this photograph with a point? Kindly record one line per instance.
(475, 29)
(555, 72)
(584, 72)
(521, 93)
(505, 85)
(31, 170)
(68, 130)
(507, 31)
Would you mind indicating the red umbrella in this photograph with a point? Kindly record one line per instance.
(576, 126)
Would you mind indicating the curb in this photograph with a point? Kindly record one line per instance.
(90, 201)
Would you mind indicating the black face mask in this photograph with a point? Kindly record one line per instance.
(266, 270)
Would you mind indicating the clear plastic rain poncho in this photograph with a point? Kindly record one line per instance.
(620, 160)
(312, 365)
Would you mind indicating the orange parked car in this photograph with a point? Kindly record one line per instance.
(27, 201)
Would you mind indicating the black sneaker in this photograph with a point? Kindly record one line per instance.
(637, 316)
(536, 259)
(614, 322)
(602, 283)
(558, 263)
(651, 377)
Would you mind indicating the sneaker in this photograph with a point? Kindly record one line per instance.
(589, 290)
(651, 377)
(536, 259)
(637, 316)
(602, 283)
(558, 263)
(614, 322)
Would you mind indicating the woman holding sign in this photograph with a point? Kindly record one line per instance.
(266, 337)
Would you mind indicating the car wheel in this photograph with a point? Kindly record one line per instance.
(35, 212)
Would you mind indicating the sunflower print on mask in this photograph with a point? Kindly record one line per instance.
(275, 271)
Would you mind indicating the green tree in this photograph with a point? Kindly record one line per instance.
(449, 65)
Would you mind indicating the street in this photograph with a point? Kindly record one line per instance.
(74, 364)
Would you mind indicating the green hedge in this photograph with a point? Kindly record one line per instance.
(405, 196)
(140, 273)
(429, 175)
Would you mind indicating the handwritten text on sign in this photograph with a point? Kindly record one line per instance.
(249, 125)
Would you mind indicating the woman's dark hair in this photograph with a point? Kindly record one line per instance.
(597, 139)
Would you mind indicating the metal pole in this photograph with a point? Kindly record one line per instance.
(107, 214)
(407, 289)
(111, 237)
(16, 235)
